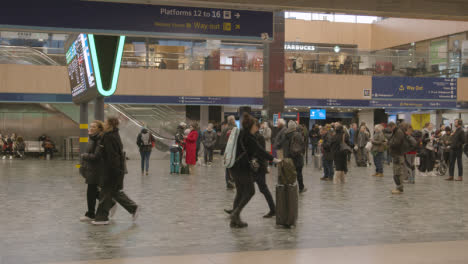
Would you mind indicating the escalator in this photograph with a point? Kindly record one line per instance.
(161, 121)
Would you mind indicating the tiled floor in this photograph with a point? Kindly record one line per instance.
(41, 201)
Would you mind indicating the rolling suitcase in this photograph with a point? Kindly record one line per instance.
(287, 197)
(175, 160)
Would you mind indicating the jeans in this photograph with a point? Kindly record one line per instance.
(300, 178)
(378, 161)
(398, 166)
(208, 155)
(108, 194)
(328, 170)
(145, 156)
(314, 148)
(263, 187)
(456, 156)
(92, 194)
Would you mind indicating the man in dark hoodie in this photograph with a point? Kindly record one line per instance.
(397, 149)
(145, 144)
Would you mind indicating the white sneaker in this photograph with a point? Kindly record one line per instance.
(112, 211)
(136, 213)
(86, 219)
(100, 222)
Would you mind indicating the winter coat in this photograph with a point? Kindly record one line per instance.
(298, 158)
(261, 160)
(241, 170)
(378, 142)
(112, 153)
(326, 147)
(145, 146)
(279, 140)
(362, 138)
(339, 157)
(266, 133)
(92, 160)
(457, 139)
(314, 136)
(209, 139)
(396, 142)
(191, 148)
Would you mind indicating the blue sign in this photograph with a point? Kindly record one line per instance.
(411, 104)
(411, 88)
(275, 120)
(137, 19)
(318, 114)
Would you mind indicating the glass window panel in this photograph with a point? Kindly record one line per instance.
(366, 19)
(345, 18)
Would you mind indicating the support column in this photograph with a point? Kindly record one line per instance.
(204, 117)
(83, 127)
(367, 116)
(99, 108)
(273, 69)
(438, 118)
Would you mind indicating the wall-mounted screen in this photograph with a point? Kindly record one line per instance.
(80, 68)
(392, 118)
(318, 114)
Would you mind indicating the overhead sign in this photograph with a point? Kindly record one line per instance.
(93, 65)
(411, 88)
(411, 104)
(318, 114)
(139, 19)
(326, 102)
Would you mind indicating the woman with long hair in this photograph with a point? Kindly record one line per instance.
(248, 150)
(112, 178)
(191, 147)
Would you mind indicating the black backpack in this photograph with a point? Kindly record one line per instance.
(296, 145)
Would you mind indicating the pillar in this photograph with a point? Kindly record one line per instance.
(273, 69)
(99, 108)
(83, 127)
(438, 118)
(204, 117)
(367, 115)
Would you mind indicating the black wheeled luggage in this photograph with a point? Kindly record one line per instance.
(287, 197)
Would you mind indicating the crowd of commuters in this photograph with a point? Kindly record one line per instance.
(409, 151)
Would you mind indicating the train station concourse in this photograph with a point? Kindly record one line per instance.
(232, 131)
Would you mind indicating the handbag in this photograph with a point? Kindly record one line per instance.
(369, 146)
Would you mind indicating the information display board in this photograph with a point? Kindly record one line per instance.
(318, 114)
(411, 88)
(80, 69)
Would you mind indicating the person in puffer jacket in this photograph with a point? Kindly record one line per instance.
(209, 140)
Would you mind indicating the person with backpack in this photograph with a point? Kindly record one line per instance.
(339, 146)
(293, 148)
(378, 147)
(314, 135)
(410, 156)
(397, 150)
(327, 155)
(456, 151)
(145, 143)
(209, 141)
(248, 153)
(361, 141)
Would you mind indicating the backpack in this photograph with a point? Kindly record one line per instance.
(231, 148)
(411, 143)
(296, 146)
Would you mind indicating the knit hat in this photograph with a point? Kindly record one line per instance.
(292, 125)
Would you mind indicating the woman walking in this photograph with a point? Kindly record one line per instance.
(339, 141)
(112, 178)
(91, 168)
(378, 148)
(248, 149)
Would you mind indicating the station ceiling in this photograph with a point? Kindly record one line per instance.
(428, 9)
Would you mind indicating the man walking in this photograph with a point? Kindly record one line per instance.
(456, 151)
(397, 151)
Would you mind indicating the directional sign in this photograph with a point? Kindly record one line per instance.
(138, 19)
(410, 88)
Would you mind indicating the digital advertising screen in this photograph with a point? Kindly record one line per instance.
(318, 114)
(392, 118)
(80, 69)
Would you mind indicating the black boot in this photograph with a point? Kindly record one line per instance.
(236, 222)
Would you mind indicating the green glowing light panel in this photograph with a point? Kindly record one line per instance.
(93, 65)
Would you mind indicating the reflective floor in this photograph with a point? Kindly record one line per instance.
(182, 216)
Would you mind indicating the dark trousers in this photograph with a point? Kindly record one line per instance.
(263, 187)
(398, 166)
(145, 158)
(49, 151)
(378, 161)
(228, 178)
(300, 178)
(92, 194)
(208, 155)
(456, 156)
(314, 148)
(328, 170)
(108, 194)
(245, 190)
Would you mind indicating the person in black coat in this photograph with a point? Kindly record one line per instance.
(91, 168)
(456, 150)
(112, 178)
(340, 157)
(248, 148)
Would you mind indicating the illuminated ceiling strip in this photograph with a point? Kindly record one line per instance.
(94, 58)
